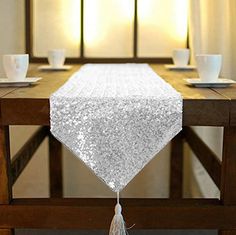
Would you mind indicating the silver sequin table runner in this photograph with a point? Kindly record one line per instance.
(115, 118)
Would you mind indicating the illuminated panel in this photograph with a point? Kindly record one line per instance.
(108, 28)
(56, 24)
(162, 26)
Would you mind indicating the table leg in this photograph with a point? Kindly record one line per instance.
(5, 178)
(176, 167)
(55, 167)
(228, 172)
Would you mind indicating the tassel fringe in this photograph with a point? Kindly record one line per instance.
(117, 224)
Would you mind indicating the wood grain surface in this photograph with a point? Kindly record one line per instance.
(30, 105)
(97, 214)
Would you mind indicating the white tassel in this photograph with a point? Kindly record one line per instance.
(117, 224)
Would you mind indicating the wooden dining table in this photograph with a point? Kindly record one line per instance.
(201, 107)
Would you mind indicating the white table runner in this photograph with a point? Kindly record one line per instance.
(115, 118)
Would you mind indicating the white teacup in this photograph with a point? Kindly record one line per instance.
(56, 58)
(181, 57)
(16, 66)
(209, 66)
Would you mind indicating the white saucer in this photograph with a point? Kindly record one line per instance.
(222, 82)
(5, 82)
(49, 67)
(175, 67)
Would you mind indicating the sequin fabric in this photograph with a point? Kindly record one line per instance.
(115, 118)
